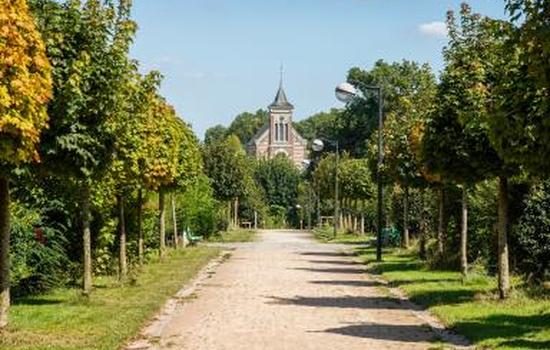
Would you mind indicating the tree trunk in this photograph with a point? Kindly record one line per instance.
(162, 228)
(122, 261)
(86, 240)
(464, 233)
(318, 208)
(503, 268)
(406, 218)
(229, 215)
(423, 227)
(139, 226)
(441, 219)
(174, 220)
(236, 215)
(4, 250)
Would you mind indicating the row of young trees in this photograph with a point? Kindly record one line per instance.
(76, 112)
(486, 118)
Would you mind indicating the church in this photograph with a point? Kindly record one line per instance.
(279, 136)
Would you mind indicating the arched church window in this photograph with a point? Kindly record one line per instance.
(276, 131)
(286, 132)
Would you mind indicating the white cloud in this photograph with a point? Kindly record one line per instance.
(435, 29)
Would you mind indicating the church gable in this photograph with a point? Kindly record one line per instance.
(279, 136)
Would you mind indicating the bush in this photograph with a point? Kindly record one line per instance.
(532, 233)
(38, 258)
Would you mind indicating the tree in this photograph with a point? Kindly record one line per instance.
(456, 143)
(88, 45)
(467, 98)
(519, 129)
(162, 160)
(408, 90)
(25, 88)
(215, 134)
(189, 166)
(225, 163)
(130, 147)
(319, 126)
(246, 125)
(356, 181)
(279, 178)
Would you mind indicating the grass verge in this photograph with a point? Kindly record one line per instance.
(234, 236)
(113, 314)
(469, 305)
(325, 234)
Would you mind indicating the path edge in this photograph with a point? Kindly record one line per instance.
(152, 330)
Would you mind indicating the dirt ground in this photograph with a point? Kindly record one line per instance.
(286, 291)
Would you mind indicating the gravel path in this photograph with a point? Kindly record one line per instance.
(288, 292)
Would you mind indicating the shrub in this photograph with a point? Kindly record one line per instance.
(38, 258)
(533, 233)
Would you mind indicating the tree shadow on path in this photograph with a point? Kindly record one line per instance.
(330, 270)
(328, 253)
(352, 283)
(351, 302)
(402, 333)
(335, 262)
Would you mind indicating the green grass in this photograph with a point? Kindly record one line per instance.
(110, 317)
(469, 306)
(325, 234)
(234, 236)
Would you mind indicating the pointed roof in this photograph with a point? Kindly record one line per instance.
(280, 99)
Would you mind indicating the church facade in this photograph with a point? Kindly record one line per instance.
(279, 136)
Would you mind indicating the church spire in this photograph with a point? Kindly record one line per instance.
(280, 99)
(281, 77)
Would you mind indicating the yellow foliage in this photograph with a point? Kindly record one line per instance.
(25, 84)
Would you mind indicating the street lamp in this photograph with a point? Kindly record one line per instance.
(346, 92)
(318, 146)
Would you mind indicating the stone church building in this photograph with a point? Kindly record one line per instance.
(279, 136)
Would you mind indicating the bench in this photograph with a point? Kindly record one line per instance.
(391, 236)
(191, 238)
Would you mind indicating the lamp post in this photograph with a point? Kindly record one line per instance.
(346, 92)
(318, 146)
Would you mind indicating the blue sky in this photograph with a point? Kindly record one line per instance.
(222, 57)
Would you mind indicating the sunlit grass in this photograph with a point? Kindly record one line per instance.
(111, 316)
(470, 306)
(234, 236)
(325, 234)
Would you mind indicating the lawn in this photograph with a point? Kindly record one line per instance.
(110, 317)
(470, 306)
(234, 236)
(326, 235)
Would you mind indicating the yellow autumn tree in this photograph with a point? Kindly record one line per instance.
(25, 88)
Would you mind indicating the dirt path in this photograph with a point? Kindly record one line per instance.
(288, 292)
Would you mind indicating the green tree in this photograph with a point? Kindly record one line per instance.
(25, 88)
(356, 184)
(409, 90)
(246, 125)
(322, 125)
(279, 178)
(227, 166)
(456, 143)
(87, 44)
(519, 129)
(215, 134)
(468, 95)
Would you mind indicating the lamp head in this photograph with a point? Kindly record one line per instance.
(345, 92)
(317, 145)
